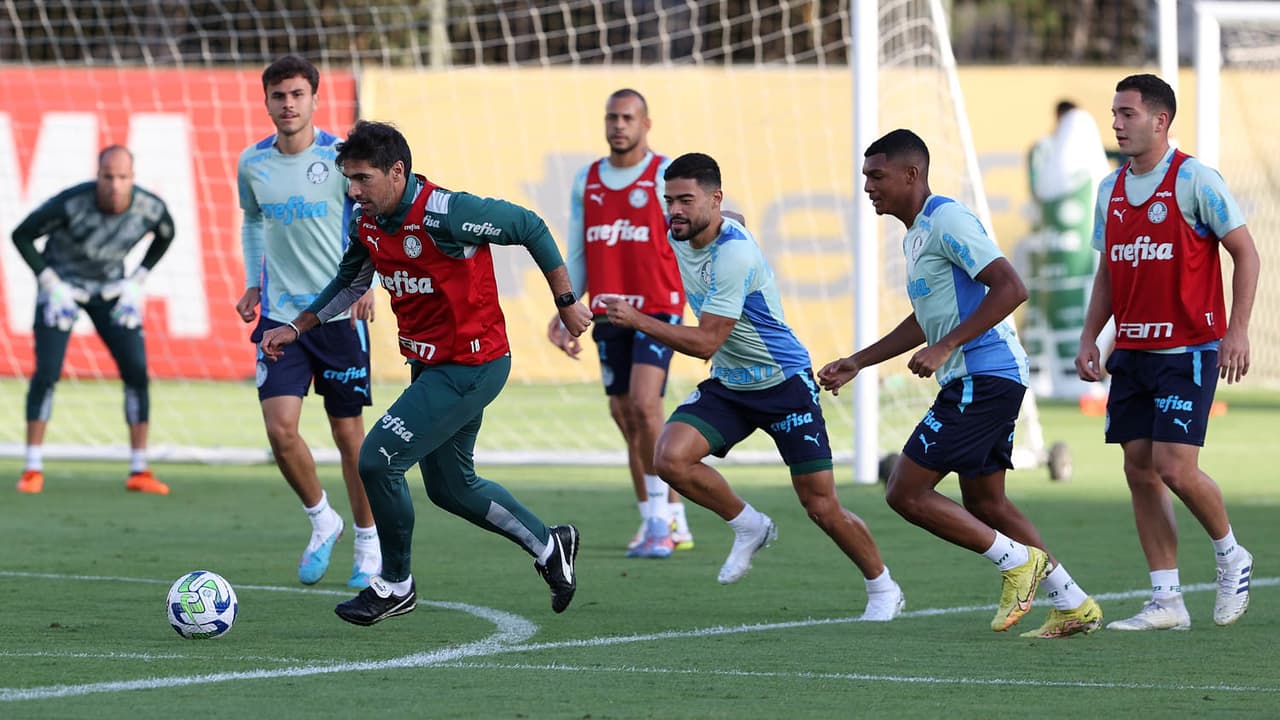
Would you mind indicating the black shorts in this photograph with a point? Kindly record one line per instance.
(1162, 397)
(789, 412)
(969, 429)
(621, 348)
(334, 355)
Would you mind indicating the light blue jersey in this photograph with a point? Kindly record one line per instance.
(946, 247)
(296, 213)
(730, 278)
(1206, 203)
(614, 178)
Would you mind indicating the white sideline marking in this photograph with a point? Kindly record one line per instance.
(137, 656)
(514, 630)
(860, 677)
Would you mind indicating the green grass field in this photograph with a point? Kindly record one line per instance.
(83, 632)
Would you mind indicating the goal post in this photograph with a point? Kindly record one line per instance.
(1237, 70)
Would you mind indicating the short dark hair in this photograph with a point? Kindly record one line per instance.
(291, 66)
(698, 167)
(379, 144)
(628, 92)
(1064, 107)
(1156, 93)
(897, 143)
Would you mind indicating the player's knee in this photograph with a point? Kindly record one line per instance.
(372, 464)
(43, 379)
(1142, 476)
(1176, 476)
(823, 510)
(282, 431)
(670, 466)
(901, 500)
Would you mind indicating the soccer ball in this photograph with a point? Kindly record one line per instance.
(201, 605)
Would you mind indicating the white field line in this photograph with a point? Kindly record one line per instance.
(512, 630)
(858, 677)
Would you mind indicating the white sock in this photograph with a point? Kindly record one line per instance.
(881, 583)
(1224, 549)
(323, 518)
(546, 551)
(367, 540)
(1006, 552)
(1165, 584)
(35, 457)
(657, 491)
(137, 460)
(749, 520)
(677, 513)
(1062, 590)
(643, 507)
(400, 588)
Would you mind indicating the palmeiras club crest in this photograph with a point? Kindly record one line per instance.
(1157, 212)
(639, 198)
(317, 172)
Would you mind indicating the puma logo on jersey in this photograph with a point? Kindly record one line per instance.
(598, 198)
(372, 241)
(387, 455)
(1119, 213)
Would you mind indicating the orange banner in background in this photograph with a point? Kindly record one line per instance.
(186, 130)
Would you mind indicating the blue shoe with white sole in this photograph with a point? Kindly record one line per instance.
(315, 559)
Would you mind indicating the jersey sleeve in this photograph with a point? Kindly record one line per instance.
(962, 240)
(352, 281)
(473, 220)
(49, 216)
(161, 237)
(253, 238)
(733, 273)
(1215, 207)
(575, 258)
(1099, 239)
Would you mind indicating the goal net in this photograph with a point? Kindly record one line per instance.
(497, 98)
(1237, 72)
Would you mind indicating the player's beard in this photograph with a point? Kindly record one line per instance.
(615, 150)
(692, 230)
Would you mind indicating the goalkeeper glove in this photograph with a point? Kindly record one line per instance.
(130, 299)
(59, 301)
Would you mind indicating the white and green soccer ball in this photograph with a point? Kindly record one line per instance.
(202, 605)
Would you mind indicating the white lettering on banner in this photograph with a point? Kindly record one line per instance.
(620, 230)
(1145, 331)
(65, 154)
(1142, 248)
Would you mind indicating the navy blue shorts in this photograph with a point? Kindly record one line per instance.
(969, 429)
(334, 355)
(1165, 398)
(621, 348)
(789, 412)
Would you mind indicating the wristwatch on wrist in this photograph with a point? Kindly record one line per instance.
(566, 299)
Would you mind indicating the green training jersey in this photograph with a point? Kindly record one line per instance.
(87, 247)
